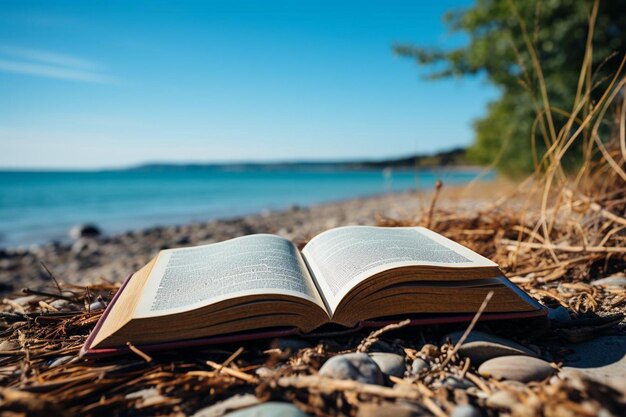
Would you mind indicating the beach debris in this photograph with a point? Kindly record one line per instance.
(517, 368)
(355, 366)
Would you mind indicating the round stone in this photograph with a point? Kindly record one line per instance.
(389, 363)
(480, 346)
(61, 361)
(355, 366)
(457, 383)
(96, 306)
(418, 366)
(613, 281)
(502, 400)
(559, 314)
(465, 410)
(269, 409)
(516, 368)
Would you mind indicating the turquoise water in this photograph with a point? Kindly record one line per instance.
(37, 207)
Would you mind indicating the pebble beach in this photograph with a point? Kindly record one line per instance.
(91, 259)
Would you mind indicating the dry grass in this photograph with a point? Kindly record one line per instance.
(553, 235)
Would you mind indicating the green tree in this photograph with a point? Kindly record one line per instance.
(558, 32)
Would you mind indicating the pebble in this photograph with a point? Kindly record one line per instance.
(84, 230)
(612, 281)
(418, 366)
(518, 368)
(26, 300)
(8, 345)
(389, 363)
(480, 346)
(60, 304)
(355, 366)
(502, 399)
(269, 409)
(457, 383)
(96, 306)
(61, 361)
(559, 314)
(465, 410)
(235, 402)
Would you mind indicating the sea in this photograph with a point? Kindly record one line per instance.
(40, 207)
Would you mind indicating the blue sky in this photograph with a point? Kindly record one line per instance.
(89, 84)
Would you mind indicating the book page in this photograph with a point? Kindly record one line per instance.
(187, 278)
(341, 258)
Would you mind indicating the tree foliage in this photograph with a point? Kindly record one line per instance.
(558, 32)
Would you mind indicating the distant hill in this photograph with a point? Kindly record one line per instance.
(453, 157)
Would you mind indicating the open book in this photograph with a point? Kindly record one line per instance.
(344, 276)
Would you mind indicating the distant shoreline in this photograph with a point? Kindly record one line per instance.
(453, 159)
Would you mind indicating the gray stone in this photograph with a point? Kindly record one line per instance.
(84, 230)
(269, 409)
(559, 314)
(504, 400)
(61, 361)
(60, 304)
(233, 403)
(518, 368)
(389, 363)
(612, 281)
(480, 346)
(457, 383)
(465, 410)
(355, 366)
(418, 366)
(25, 300)
(96, 306)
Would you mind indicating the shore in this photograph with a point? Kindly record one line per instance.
(111, 258)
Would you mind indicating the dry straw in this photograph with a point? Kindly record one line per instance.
(553, 236)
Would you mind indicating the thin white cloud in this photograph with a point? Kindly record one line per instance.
(50, 65)
(46, 57)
